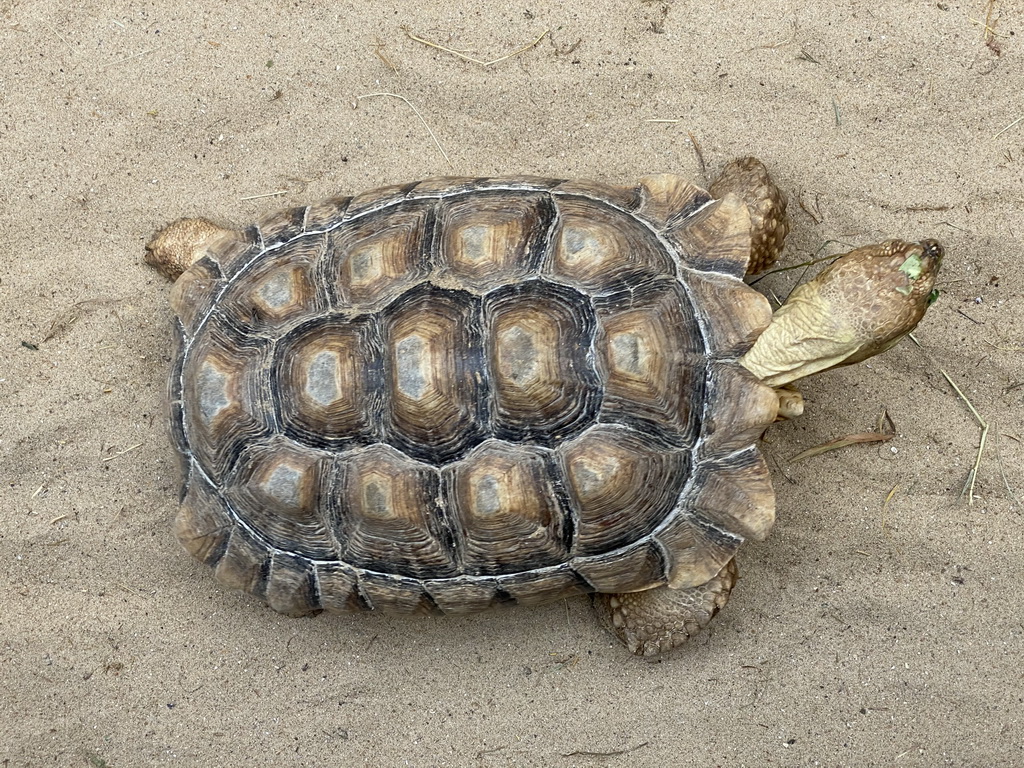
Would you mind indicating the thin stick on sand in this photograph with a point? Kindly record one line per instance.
(413, 108)
(973, 475)
(413, 36)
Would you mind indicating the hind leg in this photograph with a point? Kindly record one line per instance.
(656, 620)
(180, 244)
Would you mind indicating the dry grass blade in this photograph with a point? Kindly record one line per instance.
(413, 108)
(262, 195)
(1015, 122)
(972, 476)
(615, 753)
(429, 43)
(842, 442)
(885, 504)
(74, 313)
(129, 58)
(1002, 471)
(699, 152)
(122, 453)
(803, 264)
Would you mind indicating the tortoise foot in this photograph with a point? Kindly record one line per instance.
(657, 620)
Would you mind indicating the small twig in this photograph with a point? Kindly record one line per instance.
(1002, 471)
(699, 152)
(615, 753)
(413, 108)
(885, 504)
(843, 442)
(60, 37)
(815, 215)
(122, 453)
(278, 193)
(129, 58)
(801, 265)
(964, 314)
(378, 48)
(835, 109)
(973, 475)
(413, 36)
(1015, 122)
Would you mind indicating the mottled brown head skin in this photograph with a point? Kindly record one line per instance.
(859, 306)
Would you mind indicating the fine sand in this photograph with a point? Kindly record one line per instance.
(879, 625)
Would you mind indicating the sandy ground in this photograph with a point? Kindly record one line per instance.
(880, 624)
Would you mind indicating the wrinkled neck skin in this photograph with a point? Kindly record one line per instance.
(858, 307)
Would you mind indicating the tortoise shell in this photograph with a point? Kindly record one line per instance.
(462, 392)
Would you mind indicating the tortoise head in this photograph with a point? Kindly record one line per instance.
(857, 307)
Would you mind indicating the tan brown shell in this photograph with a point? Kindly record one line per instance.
(446, 395)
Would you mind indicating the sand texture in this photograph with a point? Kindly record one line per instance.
(879, 625)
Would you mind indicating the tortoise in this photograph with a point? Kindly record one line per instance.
(442, 396)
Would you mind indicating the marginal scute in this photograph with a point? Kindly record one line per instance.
(735, 494)
(739, 409)
(733, 313)
(245, 564)
(291, 586)
(542, 586)
(508, 510)
(716, 238)
(696, 550)
(193, 293)
(388, 515)
(621, 483)
(339, 592)
(627, 199)
(396, 594)
(326, 214)
(464, 595)
(281, 226)
(640, 566)
(668, 198)
(204, 524)
(519, 183)
(444, 186)
(234, 250)
(378, 199)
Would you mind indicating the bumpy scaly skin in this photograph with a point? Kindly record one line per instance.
(657, 620)
(177, 246)
(858, 307)
(748, 178)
